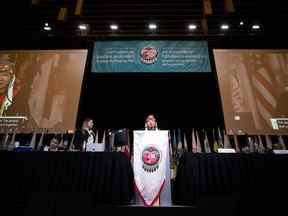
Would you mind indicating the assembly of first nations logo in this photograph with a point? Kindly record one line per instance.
(148, 55)
(151, 157)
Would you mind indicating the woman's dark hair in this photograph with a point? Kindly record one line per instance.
(87, 120)
(150, 114)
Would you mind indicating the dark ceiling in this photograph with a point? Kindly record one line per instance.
(171, 16)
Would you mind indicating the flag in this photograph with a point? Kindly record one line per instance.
(281, 142)
(104, 138)
(103, 141)
(174, 140)
(220, 140)
(61, 137)
(268, 142)
(261, 148)
(179, 144)
(62, 146)
(256, 144)
(229, 6)
(62, 14)
(112, 140)
(198, 144)
(170, 149)
(226, 141)
(40, 143)
(207, 7)
(251, 145)
(33, 140)
(96, 136)
(11, 145)
(236, 142)
(264, 92)
(108, 146)
(65, 141)
(173, 155)
(71, 148)
(215, 143)
(79, 5)
(5, 140)
(2, 140)
(194, 143)
(185, 143)
(206, 143)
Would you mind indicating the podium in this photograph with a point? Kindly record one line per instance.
(151, 165)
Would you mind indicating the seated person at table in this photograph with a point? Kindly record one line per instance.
(53, 145)
(84, 135)
(63, 146)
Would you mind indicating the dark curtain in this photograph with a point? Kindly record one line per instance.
(65, 180)
(232, 181)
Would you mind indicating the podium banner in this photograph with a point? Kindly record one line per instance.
(150, 155)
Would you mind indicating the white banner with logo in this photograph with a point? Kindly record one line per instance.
(150, 152)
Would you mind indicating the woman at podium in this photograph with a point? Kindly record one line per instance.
(165, 195)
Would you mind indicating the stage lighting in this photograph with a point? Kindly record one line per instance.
(192, 27)
(152, 26)
(47, 27)
(237, 118)
(82, 27)
(241, 23)
(255, 27)
(114, 27)
(224, 27)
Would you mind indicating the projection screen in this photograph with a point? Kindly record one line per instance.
(40, 88)
(254, 90)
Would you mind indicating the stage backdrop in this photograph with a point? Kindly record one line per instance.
(150, 56)
(254, 90)
(42, 86)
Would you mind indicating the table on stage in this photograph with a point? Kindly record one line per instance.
(61, 180)
(40, 179)
(228, 181)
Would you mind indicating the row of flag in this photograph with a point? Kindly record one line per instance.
(210, 140)
(181, 140)
(40, 141)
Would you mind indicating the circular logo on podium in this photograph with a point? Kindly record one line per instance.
(148, 55)
(151, 157)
